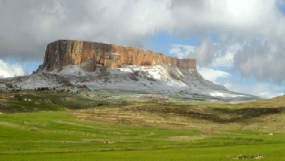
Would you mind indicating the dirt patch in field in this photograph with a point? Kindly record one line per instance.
(218, 115)
(8, 124)
(185, 138)
(207, 120)
(123, 116)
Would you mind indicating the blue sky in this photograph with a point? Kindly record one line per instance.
(237, 43)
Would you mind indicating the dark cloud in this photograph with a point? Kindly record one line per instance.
(205, 53)
(263, 58)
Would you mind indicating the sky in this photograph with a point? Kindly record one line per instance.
(239, 44)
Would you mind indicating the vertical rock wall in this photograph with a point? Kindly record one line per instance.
(88, 55)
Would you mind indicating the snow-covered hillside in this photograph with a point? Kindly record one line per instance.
(166, 79)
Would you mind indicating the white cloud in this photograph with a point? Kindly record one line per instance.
(225, 56)
(237, 18)
(212, 74)
(130, 22)
(182, 51)
(204, 53)
(10, 70)
(224, 60)
(207, 53)
(264, 90)
(125, 22)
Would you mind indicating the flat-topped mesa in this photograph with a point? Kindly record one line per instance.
(88, 55)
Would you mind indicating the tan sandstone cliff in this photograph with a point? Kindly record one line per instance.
(88, 55)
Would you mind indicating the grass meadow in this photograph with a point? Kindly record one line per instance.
(45, 130)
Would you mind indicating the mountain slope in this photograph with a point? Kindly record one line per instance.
(164, 79)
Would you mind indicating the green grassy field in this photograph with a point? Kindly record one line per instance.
(58, 130)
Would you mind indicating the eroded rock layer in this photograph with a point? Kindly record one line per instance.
(88, 55)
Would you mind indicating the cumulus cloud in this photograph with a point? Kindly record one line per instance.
(264, 90)
(263, 58)
(212, 74)
(204, 53)
(30, 24)
(27, 26)
(182, 51)
(225, 56)
(10, 70)
(237, 18)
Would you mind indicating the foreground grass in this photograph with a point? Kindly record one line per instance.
(269, 152)
(54, 130)
(61, 136)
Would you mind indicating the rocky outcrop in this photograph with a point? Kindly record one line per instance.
(88, 55)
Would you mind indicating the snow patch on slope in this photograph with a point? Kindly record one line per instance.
(165, 79)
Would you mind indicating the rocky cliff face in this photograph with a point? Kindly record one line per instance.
(88, 55)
